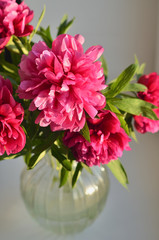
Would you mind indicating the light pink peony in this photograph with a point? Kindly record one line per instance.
(12, 136)
(63, 82)
(14, 20)
(108, 140)
(151, 95)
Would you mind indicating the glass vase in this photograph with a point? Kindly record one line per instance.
(63, 210)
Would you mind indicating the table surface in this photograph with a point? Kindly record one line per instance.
(132, 214)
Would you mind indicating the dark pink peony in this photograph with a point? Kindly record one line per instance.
(108, 140)
(12, 137)
(63, 82)
(151, 95)
(151, 81)
(14, 20)
(144, 124)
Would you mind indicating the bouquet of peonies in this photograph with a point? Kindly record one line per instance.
(55, 97)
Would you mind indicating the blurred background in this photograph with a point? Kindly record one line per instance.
(123, 28)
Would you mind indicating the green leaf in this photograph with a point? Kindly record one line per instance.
(136, 60)
(134, 87)
(16, 58)
(46, 144)
(27, 157)
(19, 45)
(8, 67)
(32, 162)
(76, 174)
(46, 35)
(85, 132)
(63, 177)
(9, 70)
(38, 24)
(140, 68)
(12, 47)
(65, 25)
(8, 157)
(135, 106)
(147, 112)
(11, 156)
(104, 66)
(59, 142)
(128, 119)
(133, 135)
(118, 171)
(123, 123)
(70, 155)
(120, 83)
(56, 152)
(10, 77)
(26, 43)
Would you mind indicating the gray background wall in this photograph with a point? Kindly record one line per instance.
(123, 28)
(157, 39)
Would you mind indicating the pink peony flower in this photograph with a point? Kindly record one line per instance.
(12, 136)
(108, 140)
(63, 82)
(144, 124)
(14, 20)
(151, 95)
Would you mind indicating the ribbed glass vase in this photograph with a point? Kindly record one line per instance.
(63, 210)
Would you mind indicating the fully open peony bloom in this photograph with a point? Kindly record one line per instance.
(12, 136)
(108, 140)
(151, 95)
(14, 20)
(63, 82)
